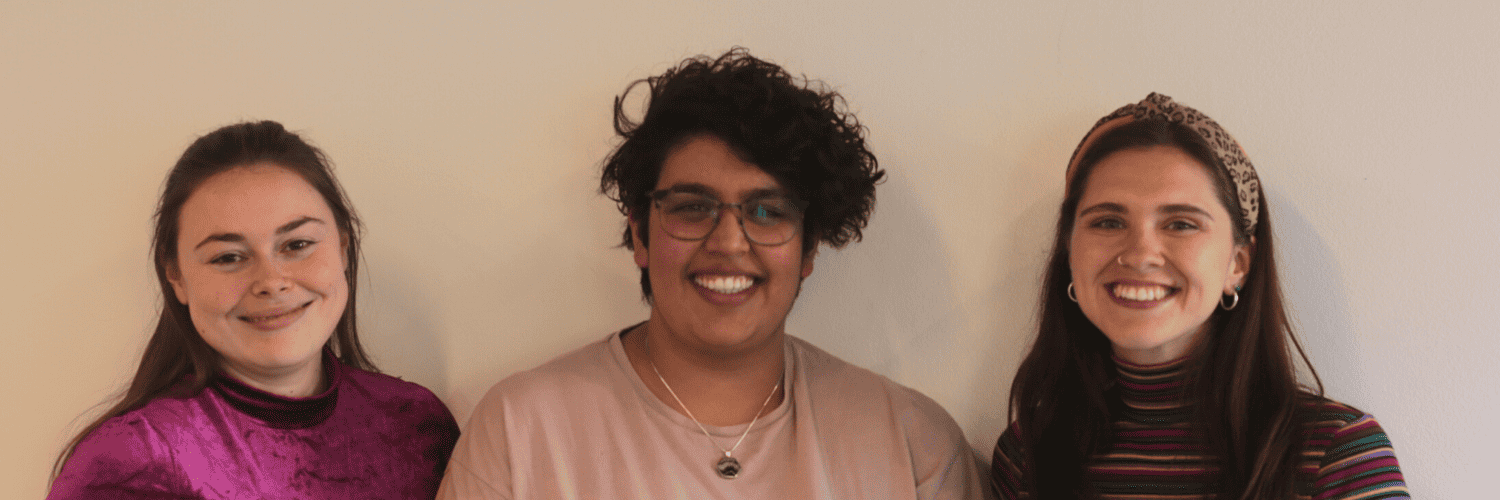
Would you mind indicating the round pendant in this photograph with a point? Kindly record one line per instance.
(728, 467)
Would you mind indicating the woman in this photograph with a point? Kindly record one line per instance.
(1163, 365)
(254, 384)
(728, 184)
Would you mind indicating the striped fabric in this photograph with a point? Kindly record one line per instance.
(1153, 456)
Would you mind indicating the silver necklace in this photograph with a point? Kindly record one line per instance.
(727, 467)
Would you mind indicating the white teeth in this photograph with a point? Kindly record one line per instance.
(725, 284)
(1140, 293)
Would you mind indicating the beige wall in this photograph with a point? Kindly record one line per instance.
(469, 138)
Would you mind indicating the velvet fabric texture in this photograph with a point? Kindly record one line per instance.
(367, 436)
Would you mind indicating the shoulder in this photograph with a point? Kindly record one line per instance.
(387, 406)
(389, 389)
(568, 376)
(142, 433)
(1008, 448)
(1007, 464)
(867, 411)
(1329, 419)
(405, 403)
(1350, 452)
(837, 380)
(554, 392)
(131, 452)
(540, 404)
(161, 421)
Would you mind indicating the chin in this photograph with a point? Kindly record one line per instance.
(731, 334)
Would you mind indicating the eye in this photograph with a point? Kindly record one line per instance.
(689, 207)
(1107, 223)
(769, 212)
(1181, 225)
(226, 259)
(297, 245)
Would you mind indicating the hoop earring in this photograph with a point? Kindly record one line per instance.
(1071, 294)
(1231, 305)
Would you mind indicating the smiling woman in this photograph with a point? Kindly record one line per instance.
(1163, 365)
(262, 273)
(728, 184)
(1152, 250)
(254, 384)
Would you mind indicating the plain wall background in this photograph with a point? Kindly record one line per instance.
(469, 137)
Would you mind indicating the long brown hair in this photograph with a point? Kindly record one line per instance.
(1244, 375)
(177, 362)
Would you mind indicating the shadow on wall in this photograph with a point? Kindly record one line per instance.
(885, 303)
(1015, 294)
(396, 326)
(1312, 286)
(1028, 193)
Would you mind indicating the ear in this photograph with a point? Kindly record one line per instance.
(642, 255)
(807, 262)
(174, 276)
(1239, 266)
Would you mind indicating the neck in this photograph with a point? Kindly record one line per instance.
(293, 382)
(720, 390)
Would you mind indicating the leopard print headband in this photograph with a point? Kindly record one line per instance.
(1225, 148)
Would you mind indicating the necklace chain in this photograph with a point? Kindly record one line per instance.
(729, 452)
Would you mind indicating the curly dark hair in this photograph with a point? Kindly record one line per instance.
(798, 131)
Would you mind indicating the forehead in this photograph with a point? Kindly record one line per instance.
(250, 199)
(1150, 177)
(708, 162)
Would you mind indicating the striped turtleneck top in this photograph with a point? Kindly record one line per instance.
(1153, 455)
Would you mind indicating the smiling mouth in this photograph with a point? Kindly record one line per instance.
(275, 316)
(728, 285)
(1141, 293)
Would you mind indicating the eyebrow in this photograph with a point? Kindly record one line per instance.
(1183, 208)
(1103, 207)
(237, 237)
(1178, 208)
(698, 188)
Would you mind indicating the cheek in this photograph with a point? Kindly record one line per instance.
(1213, 264)
(667, 255)
(1080, 255)
(211, 292)
(789, 259)
(325, 272)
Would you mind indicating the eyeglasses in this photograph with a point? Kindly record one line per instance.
(767, 220)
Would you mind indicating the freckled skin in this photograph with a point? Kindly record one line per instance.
(1151, 216)
(268, 299)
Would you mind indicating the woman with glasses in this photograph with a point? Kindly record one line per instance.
(729, 183)
(255, 384)
(1165, 365)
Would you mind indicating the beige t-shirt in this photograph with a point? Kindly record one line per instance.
(585, 426)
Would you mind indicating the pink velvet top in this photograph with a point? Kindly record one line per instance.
(367, 436)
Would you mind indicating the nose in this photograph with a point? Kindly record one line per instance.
(728, 236)
(1143, 250)
(270, 280)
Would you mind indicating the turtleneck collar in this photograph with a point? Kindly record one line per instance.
(1153, 392)
(280, 411)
